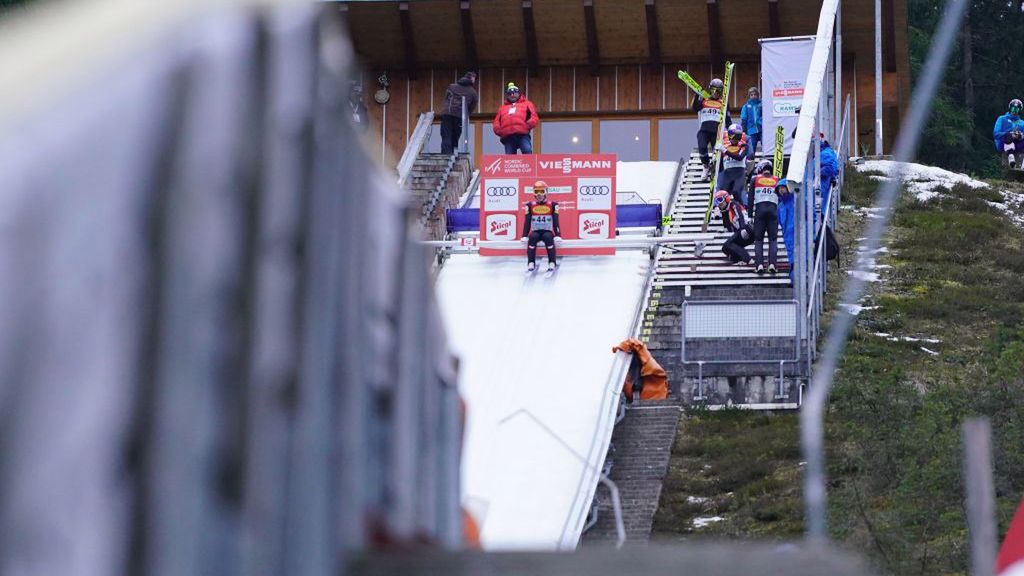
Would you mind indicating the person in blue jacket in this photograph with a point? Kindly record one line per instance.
(750, 118)
(787, 219)
(829, 172)
(1008, 134)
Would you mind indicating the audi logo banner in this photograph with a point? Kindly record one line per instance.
(583, 186)
(594, 194)
(501, 195)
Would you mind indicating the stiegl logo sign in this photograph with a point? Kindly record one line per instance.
(593, 225)
(501, 226)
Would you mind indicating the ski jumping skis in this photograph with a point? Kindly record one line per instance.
(698, 249)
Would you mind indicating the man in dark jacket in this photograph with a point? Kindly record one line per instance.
(360, 118)
(451, 117)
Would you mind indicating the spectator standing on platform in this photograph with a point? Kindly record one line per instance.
(787, 220)
(514, 121)
(750, 118)
(451, 119)
(360, 118)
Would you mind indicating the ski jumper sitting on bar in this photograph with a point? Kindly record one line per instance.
(709, 114)
(1008, 134)
(734, 164)
(541, 225)
(734, 221)
(763, 198)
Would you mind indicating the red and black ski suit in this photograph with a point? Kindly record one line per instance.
(742, 233)
(541, 225)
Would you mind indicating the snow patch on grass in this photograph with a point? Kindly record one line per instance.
(924, 182)
(703, 521)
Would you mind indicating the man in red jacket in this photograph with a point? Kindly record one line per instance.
(514, 121)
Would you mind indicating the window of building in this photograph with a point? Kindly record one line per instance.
(629, 139)
(677, 138)
(567, 137)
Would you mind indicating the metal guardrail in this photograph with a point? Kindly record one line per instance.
(420, 138)
(723, 321)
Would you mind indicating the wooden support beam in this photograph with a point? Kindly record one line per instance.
(468, 37)
(714, 36)
(889, 35)
(653, 40)
(774, 29)
(411, 67)
(530, 30)
(593, 53)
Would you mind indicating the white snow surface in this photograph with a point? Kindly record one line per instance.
(923, 181)
(651, 180)
(703, 521)
(535, 358)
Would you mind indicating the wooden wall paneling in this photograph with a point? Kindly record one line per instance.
(622, 31)
(606, 100)
(442, 78)
(419, 96)
(374, 111)
(493, 87)
(396, 118)
(595, 136)
(561, 88)
(437, 29)
(677, 94)
(499, 32)
(377, 31)
(586, 89)
(651, 84)
(798, 19)
(540, 92)
(628, 87)
(683, 27)
(561, 33)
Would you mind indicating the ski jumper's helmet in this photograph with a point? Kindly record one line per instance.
(735, 130)
(540, 189)
(722, 199)
(763, 166)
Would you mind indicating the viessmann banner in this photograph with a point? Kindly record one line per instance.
(784, 66)
(582, 184)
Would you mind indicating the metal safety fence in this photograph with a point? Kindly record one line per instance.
(214, 361)
(732, 332)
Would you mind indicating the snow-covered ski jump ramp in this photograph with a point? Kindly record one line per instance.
(539, 379)
(541, 387)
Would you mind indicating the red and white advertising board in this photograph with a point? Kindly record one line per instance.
(583, 185)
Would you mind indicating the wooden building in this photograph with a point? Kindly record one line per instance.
(603, 72)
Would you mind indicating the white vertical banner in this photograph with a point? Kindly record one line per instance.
(784, 66)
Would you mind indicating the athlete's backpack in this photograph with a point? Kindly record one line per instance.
(831, 245)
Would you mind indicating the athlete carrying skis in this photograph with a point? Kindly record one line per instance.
(710, 113)
(541, 225)
(734, 164)
(763, 199)
(1008, 134)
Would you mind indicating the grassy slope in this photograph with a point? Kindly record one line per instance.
(895, 489)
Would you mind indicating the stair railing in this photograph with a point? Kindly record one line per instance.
(419, 139)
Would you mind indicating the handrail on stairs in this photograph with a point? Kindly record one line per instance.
(419, 139)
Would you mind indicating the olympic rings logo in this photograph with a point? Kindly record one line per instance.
(502, 191)
(594, 191)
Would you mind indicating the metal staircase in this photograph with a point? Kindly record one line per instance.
(732, 369)
(678, 266)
